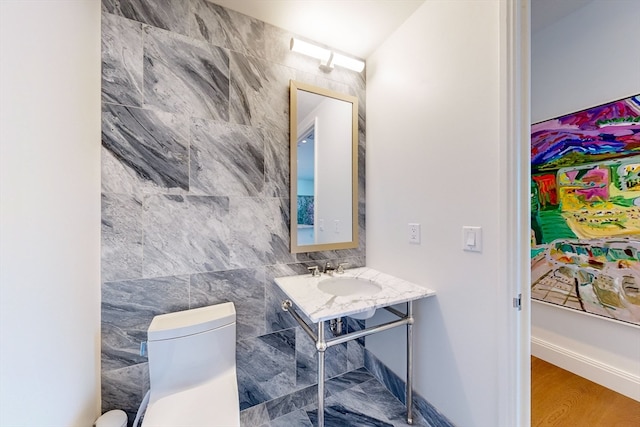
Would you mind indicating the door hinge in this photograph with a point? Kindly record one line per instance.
(517, 302)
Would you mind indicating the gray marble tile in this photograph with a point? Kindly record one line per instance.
(144, 151)
(276, 163)
(109, 5)
(424, 411)
(226, 159)
(296, 418)
(259, 94)
(355, 355)
(127, 310)
(265, 367)
(355, 348)
(121, 60)
(166, 14)
(256, 416)
(276, 318)
(292, 402)
(184, 76)
(227, 28)
(260, 234)
(121, 244)
(245, 288)
(185, 235)
(336, 415)
(348, 380)
(385, 376)
(124, 388)
(307, 359)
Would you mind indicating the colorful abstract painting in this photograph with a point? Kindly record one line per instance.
(585, 210)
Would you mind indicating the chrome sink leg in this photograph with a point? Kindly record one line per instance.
(321, 346)
(409, 390)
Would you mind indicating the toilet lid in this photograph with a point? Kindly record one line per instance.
(207, 405)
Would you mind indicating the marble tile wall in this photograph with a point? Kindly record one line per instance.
(195, 189)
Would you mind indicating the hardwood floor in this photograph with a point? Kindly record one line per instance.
(560, 398)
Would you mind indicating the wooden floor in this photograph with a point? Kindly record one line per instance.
(560, 398)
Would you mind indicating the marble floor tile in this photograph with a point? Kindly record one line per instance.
(346, 381)
(297, 418)
(256, 416)
(354, 399)
(368, 404)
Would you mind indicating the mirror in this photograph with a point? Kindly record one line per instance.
(324, 169)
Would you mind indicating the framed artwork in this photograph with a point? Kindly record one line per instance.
(585, 210)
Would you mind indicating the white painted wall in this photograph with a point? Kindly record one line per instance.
(434, 157)
(579, 62)
(49, 212)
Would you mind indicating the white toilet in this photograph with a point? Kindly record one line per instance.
(192, 368)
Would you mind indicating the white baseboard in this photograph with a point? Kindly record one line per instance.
(600, 373)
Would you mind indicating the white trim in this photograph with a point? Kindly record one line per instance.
(514, 405)
(586, 313)
(607, 376)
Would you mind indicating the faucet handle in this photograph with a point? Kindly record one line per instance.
(341, 267)
(314, 271)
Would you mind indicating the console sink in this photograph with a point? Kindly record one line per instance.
(356, 293)
(349, 286)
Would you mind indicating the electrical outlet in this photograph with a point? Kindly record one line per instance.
(414, 233)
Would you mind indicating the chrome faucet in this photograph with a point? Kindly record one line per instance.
(341, 266)
(328, 268)
(315, 271)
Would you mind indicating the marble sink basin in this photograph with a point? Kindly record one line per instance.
(347, 286)
(351, 287)
(356, 293)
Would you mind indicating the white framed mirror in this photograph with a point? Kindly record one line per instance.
(324, 169)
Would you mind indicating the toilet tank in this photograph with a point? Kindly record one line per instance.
(190, 348)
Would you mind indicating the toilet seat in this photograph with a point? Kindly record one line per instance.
(211, 404)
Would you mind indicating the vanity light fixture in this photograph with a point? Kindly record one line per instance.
(327, 58)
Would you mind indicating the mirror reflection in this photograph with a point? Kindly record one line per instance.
(323, 169)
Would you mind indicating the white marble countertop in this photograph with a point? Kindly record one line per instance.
(318, 305)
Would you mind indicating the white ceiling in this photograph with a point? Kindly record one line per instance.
(358, 27)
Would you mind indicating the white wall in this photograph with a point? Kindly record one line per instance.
(49, 212)
(581, 61)
(434, 157)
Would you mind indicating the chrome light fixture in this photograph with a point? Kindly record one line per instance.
(327, 57)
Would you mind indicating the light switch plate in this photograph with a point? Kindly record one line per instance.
(472, 239)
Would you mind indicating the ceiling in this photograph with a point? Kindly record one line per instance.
(358, 27)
